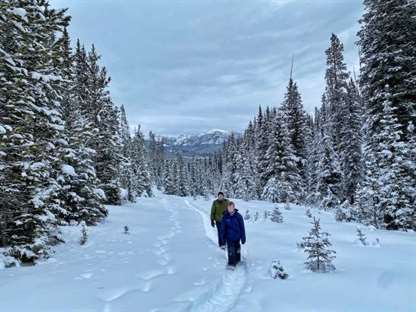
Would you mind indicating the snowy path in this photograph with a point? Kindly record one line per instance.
(165, 263)
(170, 262)
(224, 296)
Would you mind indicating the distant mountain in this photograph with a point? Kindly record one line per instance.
(200, 144)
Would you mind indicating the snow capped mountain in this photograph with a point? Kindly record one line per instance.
(211, 137)
(199, 144)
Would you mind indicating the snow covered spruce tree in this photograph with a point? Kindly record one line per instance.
(126, 166)
(140, 177)
(295, 120)
(156, 154)
(55, 117)
(276, 215)
(283, 178)
(338, 134)
(317, 246)
(362, 238)
(230, 169)
(329, 176)
(388, 79)
(103, 117)
(170, 177)
(351, 159)
(32, 127)
(79, 191)
(245, 184)
(261, 132)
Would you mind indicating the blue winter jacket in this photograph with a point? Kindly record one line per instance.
(232, 227)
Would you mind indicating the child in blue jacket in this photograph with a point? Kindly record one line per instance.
(232, 230)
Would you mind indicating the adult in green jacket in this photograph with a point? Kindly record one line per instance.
(219, 206)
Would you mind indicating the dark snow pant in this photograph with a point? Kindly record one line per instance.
(220, 241)
(234, 252)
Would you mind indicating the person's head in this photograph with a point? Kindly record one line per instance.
(220, 195)
(231, 207)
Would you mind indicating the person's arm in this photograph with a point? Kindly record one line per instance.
(213, 213)
(242, 229)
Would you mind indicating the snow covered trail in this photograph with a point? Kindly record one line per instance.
(163, 264)
(226, 293)
(170, 262)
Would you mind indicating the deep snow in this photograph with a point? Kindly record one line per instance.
(169, 262)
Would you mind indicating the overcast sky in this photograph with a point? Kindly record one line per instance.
(185, 66)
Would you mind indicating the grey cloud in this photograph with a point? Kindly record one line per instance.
(185, 66)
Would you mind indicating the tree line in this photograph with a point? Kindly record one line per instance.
(356, 154)
(65, 147)
(182, 176)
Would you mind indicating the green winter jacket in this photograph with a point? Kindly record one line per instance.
(218, 209)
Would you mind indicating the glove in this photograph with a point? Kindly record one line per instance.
(212, 223)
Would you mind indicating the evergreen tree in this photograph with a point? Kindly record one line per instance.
(55, 113)
(295, 121)
(103, 118)
(141, 176)
(350, 145)
(261, 141)
(282, 171)
(328, 186)
(276, 215)
(388, 52)
(246, 187)
(182, 178)
(79, 183)
(126, 166)
(169, 183)
(361, 237)
(316, 244)
(230, 169)
(336, 90)
(32, 127)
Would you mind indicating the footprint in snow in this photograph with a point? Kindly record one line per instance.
(171, 270)
(147, 287)
(84, 276)
(166, 256)
(158, 244)
(159, 251)
(200, 283)
(113, 294)
(163, 262)
(149, 275)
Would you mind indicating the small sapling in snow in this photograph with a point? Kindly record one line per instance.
(277, 270)
(376, 243)
(84, 234)
(361, 237)
(276, 215)
(247, 215)
(317, 247)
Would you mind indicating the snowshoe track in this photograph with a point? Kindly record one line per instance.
(224, 296)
